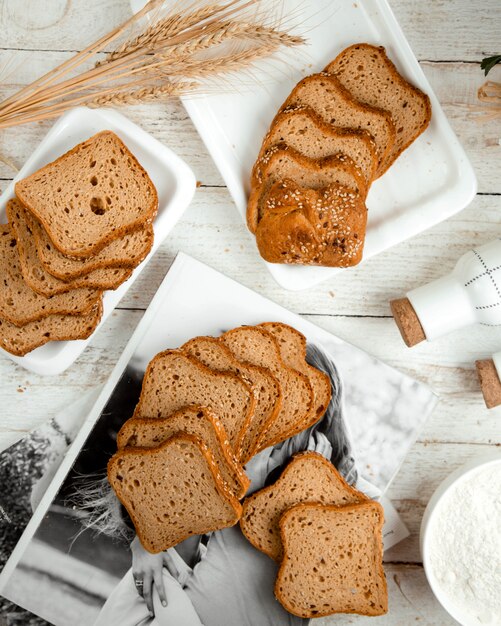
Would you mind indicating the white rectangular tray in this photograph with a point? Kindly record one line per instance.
(430, 182)
(175, 183)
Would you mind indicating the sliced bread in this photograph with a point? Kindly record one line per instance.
(371, 78)
(266, 389)
(19, 304)
(312, 226)
(333, 560)
(20, 340)
(256, 346)
(172, 492)
(90, 196)
(281, 163)
(306, 132)
(292, 345)
(193, 420)
(36, 276)
(326, 95)
(309, 477)
(174, 380)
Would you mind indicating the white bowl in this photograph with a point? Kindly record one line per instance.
(427, 525)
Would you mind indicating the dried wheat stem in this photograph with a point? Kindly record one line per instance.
(147, 94)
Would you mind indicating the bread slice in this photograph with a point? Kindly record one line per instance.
(90, 196)
(35, 274)
(301, 226)
(174, 380)
(309, 477)
(292, 346)
(282, 163)
(265, 387)
(19, 304)
(127, 251)
(306, 132)
(333, 560)
(256, 346)
(193, 420)
(326, 95)
(172, 492)
(370, 77)
(19, 340)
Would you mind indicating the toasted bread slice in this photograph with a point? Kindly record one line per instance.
(90, 196)
(371, 78)
(309, 477)
(174, 380)
(266, 389)
(333, 560)
(19, 340)
(19, 304)
(326, 95)
(256, 346)
(194, 420)
(35, 275)
(172, 492)
(292, 345)
(281, 163)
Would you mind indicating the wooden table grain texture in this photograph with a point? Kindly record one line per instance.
(449, 38)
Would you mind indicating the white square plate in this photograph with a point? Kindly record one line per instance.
(430, 182)
(175, 183)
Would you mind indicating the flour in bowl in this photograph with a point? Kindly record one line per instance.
(465, 546)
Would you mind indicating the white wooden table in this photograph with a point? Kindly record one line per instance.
(449, 38)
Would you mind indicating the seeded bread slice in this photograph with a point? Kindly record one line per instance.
(35, 274)
(265, 387)
(19, 304)
(312, 226)
(333, 560)
(172, 492)
(370, 76)
(283, 163)
(193, 420)
(90, 196)
(305, 131)
(309, 477)
(292, 346)
(174, 380)
(326, 95)
(256, 346)
(20, 340)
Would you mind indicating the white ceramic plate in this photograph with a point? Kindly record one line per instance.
(175, 184)
(430, 182)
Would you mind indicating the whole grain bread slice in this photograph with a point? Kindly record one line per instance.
(90, 196)
(292, 346)
(282, 163)
(266, 389)
(306, 132)
(326, 95)
(194, 420)
(309, 477)
(35, 274)
(19, 304)
(19, 340)
(173, 380)
(172, 492)
(333, 560)
(256, 346)
(371, 78)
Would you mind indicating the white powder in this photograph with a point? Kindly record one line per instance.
(465, 546)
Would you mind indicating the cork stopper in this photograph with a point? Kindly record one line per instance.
(407, 321)
(489, 382)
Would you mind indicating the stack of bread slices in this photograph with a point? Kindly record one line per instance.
(76, 227)
(326, 536)
(337, 132)
(204, 411)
